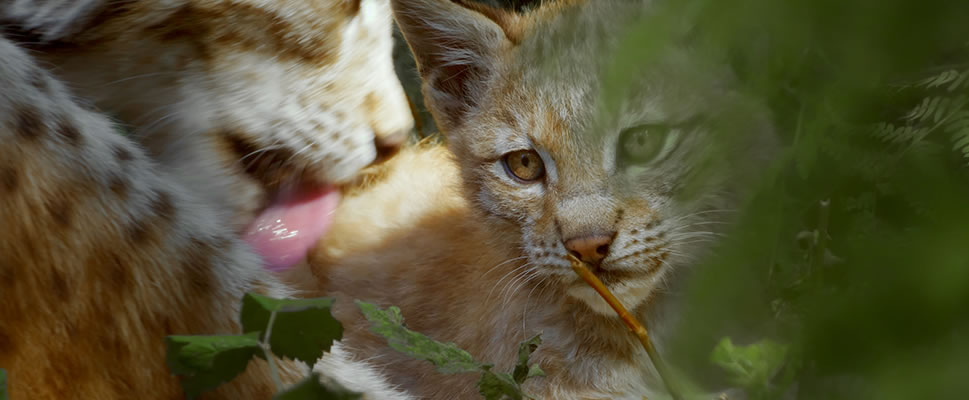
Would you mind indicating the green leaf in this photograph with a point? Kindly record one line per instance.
(312, 388)
(525, 350)
(534, 371)
(303, 329)
(497, 386)
(750, 366)
(447, 357)
(205, 362)
(3, 384)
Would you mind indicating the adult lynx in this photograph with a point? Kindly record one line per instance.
(239, 110)
(471, 242)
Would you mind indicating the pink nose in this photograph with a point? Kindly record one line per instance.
(591, 249)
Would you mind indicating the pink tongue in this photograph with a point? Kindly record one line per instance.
(293, 223)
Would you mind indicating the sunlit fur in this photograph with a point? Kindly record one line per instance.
(266, 92)
(110, 243)
(476, 257)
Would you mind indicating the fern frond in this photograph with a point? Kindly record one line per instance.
(955, 80)
(958, 129)
(939, 79)
(898, 134)
(936, 109)
(924, 108)
(961, 83)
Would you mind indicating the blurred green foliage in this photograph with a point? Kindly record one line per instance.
(854, 252)
(751, 367)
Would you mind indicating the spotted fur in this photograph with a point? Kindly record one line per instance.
(110, 242)
(237, 97)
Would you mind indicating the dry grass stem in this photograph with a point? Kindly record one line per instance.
(634, 325)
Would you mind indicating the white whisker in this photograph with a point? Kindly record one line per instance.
(528, 298)
(513, 285)
(681, 227)
(502, 263)
(689, 235)
(140, 76)
(495, 286)
(682, 217)
(262, 150)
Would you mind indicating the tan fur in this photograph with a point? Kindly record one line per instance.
(430, 253)
(474, 256)
(110, 243)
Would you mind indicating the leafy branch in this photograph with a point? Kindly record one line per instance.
(299, 329)
(448, 358)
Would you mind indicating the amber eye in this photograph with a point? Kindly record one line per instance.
(524, 165)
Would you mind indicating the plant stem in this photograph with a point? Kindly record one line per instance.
(268, 353)
(634, 325)
(821, 240)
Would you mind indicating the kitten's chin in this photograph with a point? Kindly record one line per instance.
(631, 295)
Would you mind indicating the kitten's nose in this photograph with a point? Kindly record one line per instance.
(591, 249)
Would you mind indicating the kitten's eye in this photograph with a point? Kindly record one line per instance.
(524, 165)
(645, 143)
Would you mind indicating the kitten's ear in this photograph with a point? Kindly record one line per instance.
(457, 46)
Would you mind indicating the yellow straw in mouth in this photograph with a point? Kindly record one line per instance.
(634, 325)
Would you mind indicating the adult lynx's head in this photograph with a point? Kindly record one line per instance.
(632, 178)
(272, 92)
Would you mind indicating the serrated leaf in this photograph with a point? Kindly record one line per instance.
(389, 323)
(749, 366)
(525, 349)
(303, 329)
(3, 384)
(497, 386)
(205, 362)
(312, 388)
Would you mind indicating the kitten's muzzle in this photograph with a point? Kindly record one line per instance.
(591, 249)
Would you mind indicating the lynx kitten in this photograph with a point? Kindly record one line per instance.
(471, 242)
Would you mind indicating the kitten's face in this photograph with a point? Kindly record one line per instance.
(625, 194)
(638, 190)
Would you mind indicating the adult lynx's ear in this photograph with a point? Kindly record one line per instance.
(457, 46)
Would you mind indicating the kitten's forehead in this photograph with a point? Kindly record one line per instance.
(554, 94)
(554, 91)
(575, 55)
